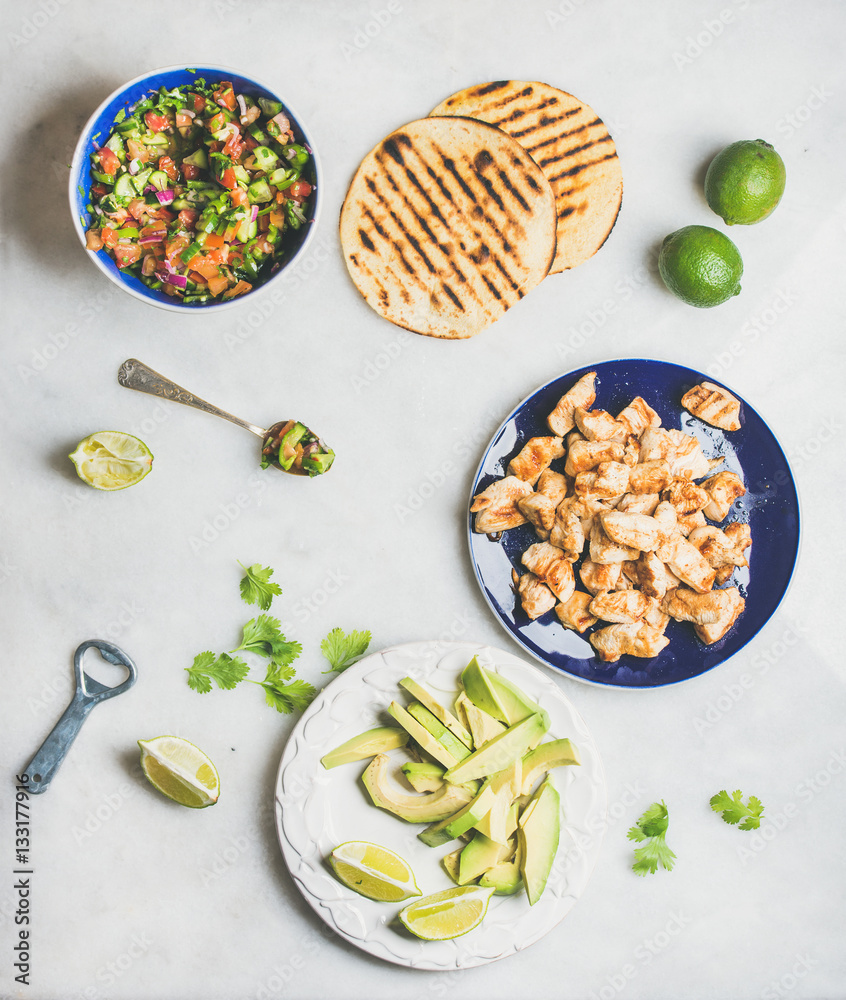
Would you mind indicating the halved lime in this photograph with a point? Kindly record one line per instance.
(180, 771)
(111, 460)
(447, 914)
(374, 871)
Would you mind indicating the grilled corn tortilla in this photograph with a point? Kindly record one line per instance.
(447, 224)
(571, 146)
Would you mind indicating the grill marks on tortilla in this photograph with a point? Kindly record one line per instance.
(570, 143)
(447, 224)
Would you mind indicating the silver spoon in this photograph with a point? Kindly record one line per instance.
(287, 445)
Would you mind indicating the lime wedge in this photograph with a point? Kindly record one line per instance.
(447, 914)
(373, 871)
(111, 460)
(180, 771)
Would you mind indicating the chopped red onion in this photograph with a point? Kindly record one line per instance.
(242, 105)
(150, 238)
(190, 114)
(165, 197)
(149, 188)
(179, 280)
(134, 166)
(254, 213)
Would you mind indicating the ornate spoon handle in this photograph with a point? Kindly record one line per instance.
(134, 374)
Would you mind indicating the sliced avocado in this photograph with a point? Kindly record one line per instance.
(453, 826)
(558, 753)
(499, 752)
(505, 785)
(430, 808)
(422, 735)
(458, 749)
(474, 677)
(443, 715)
(538, 833)
(505, 878)
(483, 726)
(517, 705)
(451, 864)
(366, 745)
(478, 856)
(423, 777)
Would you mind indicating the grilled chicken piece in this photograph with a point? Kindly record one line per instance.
(688, 563)
(583, 394)
(631, 451)
(714, 405)
(600, 576)
(603, 550)
(573, 613)
(538, 510)
(718, 548)
(702, 609)
(688, 458)
(567, 533)
(638, 503)
(572, 438)
(690, 522)
(535, 456)
(496, 507)
(535, 597)
(553, 485)
(739, 534)
(548, 563)
(582, 456)
(654, 577)
(716, 630)
(637, 416)
(637, 639)
(723, 488)
(620, 606)
(599, 425)
(650, 477)
(656, 618)
(608, 481)
(638, 531)
(685, 496)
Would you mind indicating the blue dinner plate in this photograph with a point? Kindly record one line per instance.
(770, 506)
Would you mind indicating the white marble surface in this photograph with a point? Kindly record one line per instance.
(133, 897)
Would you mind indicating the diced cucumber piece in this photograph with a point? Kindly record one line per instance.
(241, 175)
(259, 192)
(270, 108)
(181, 203)
(115, 144)
(103, 178)
(160, 180)
(265, 157)
(154, 139)
(197, 159)
(124, 188)
(257, 133)
(141, 179)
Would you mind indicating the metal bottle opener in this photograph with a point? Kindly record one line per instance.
(89, 693)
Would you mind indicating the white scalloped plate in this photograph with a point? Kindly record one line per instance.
(318, 809)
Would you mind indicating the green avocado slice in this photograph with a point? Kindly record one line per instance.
(365, 745)
(437, 709)
(466, 817)
(538, 832)
(478, 856)
(558, 753)
(430, 808)
(476, 683)
(483, 727)
(422, 735)
(499, 752)
(433, 725)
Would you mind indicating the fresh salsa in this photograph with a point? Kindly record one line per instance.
(292, 447)
(196, 189)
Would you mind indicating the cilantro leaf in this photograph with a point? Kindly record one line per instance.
(649, 831)
(255, 585)
(224, 670)
(281, 695)
(733, 810)
(262, 636)
(343, 649)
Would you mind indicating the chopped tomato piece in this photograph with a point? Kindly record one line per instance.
(238, 196)
(169, 167)
(227, 178)
(206, 267)
(277, 218)
(137, 150)
(219, 255)
(249, 141)
(300, 189)
(216, 122)
(127, 253)
(183, 120)
(217, 284)
(265, 246)
(240, 289)
(212, 241)
(137, 208)
(225, 96)
(188, 217)
(160, 213)
(109, 237)
(199, 102)
(191, 172)
(156, 122)
(98, 190)
(233, 146)
(154, 229)
(108, 160)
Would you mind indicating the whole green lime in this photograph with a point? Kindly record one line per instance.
(700, 265)
(745, 182)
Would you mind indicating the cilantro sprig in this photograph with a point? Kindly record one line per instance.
(650, 831)
(226, 671)
(256, 587)
(342, 649)
(283, 692)
(262, 636)
(733, 810)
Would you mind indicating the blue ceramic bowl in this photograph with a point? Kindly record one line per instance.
(101, 123)
(771, 507)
